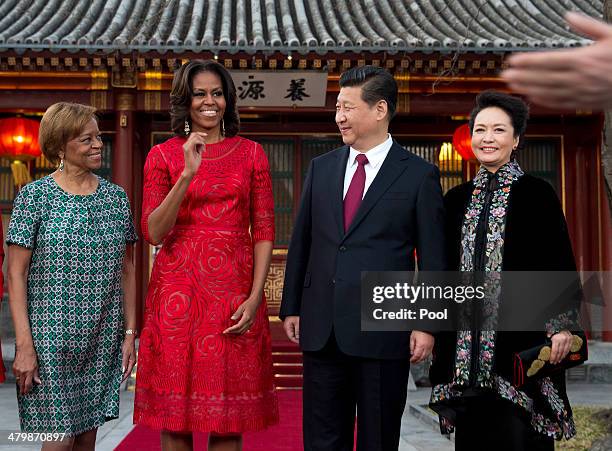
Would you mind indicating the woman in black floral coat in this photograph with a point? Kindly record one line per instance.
(503, 220)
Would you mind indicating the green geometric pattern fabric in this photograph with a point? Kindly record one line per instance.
(74, 302)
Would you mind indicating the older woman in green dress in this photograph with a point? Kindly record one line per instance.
(70, 249)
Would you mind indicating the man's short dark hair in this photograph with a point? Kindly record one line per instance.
(376, 84)
(514, 107)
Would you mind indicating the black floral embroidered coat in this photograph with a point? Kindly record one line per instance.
(535, 239)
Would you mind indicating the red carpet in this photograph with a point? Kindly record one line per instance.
(285, 436)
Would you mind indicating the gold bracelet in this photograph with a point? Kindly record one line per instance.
(131, 332)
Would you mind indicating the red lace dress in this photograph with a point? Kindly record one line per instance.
(192, 377)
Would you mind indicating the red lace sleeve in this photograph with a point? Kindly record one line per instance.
(262, 201)
(156, 186)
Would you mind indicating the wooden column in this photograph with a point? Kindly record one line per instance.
(588, 216)
(606, 259)
(590, 195)
(576, 213)
(124, 171)
(123, 160)
(605, 250)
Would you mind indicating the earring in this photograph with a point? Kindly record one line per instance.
(187, 128)
(222, 128)
(61, 165)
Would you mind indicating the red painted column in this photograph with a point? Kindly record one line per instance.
(577, 212)
(597, 220)
(123, 160)
(589, 217)
(606, 249)
(123, 174)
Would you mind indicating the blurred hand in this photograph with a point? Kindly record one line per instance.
(25, 369)
(291, 324)
(561, 343)
(193, 149)
(128, 359)
(572, 78)
(421, 344)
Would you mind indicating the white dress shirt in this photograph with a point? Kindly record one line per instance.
(376, 155)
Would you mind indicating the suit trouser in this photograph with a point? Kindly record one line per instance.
(335, 385)
(486, 423)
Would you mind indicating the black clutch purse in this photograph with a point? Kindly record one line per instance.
(534, 363)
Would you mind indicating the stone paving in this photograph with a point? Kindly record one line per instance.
(416, 434)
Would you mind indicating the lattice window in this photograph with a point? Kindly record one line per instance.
(281, 156)
(313, 147)
(42, 167)
(7, 184)
(451, 170)
(540, 158)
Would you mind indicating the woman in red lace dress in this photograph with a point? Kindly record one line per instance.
(205, 361)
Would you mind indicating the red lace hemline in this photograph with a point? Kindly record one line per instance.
(256, 422)
(199, 412)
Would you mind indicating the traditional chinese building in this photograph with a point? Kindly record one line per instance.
(286, 58)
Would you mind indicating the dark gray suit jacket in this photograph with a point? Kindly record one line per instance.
(401, 212)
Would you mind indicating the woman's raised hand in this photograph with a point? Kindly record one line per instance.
(193, 149)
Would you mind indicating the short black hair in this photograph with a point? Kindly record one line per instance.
(376, 84)
(514, 107)
(182, 94)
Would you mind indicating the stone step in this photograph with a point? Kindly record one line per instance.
(597, 369)
(285, 346)
(287, 365)
(285, 381)
(428, 417)
(288, 368)
(287, 357)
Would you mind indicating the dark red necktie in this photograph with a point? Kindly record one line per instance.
(353, 197)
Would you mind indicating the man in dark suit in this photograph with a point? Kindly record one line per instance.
(365, 206)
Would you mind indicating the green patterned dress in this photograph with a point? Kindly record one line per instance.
(74, 302)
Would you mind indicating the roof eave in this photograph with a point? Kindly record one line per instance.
(268, 50)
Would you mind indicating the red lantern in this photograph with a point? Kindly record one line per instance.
(19, 139)
(462, 142)
(19, 143)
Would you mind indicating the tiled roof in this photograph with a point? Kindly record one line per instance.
(288, 25)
